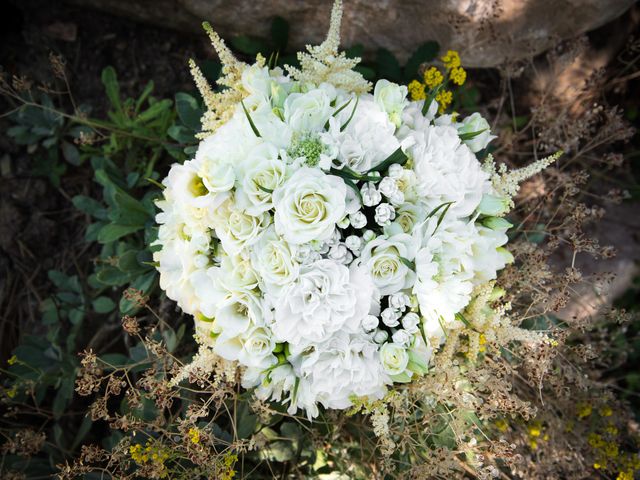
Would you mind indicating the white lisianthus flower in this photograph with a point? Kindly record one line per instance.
(257, 81)
(274, 261)
(402, 337)
(368, 138)
(383, 257)
(370, 323)
(309, 205)
(390, 317)
(307, 112)
(392, 98)
(370, 195)
(394, 358)
(240, 311)
(345, 366)
(321, 302)
(473, 124)
(410, 322)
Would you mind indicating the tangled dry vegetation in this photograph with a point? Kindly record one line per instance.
(497, 403)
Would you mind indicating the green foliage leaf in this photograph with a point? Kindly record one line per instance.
(189, 111)
(103, 305)
(280, 33)
(112, 232)
(424, 53)
(249, 45)
(112, 88)
(388, 66)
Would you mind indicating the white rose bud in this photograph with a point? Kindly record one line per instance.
(493, 206)
(384, 214)
(354, 243)
(478, 125)
(344, 223)
(401, 337)
(370, 323)
(381, 336)
(395, 171)
(388, 187)
(410, 322)
(200, 261)
(394, 358)
(368, 235)
(370, 195)
(399, 301)
(358, 220)
(390, 317)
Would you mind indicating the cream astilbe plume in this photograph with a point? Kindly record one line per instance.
(324, 63)
(507, 183)
(220, 105)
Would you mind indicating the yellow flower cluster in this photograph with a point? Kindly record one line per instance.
(451, 59)
(230, 460)
(535, 430)
(416, 90)
(432, 77)
(434, 83)
(150, 453)
(194, 435)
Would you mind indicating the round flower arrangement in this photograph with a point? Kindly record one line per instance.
(326, 238)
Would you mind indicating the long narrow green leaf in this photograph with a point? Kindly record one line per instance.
(253, 126)
(470, 135)
(342, 129)
(398, 156)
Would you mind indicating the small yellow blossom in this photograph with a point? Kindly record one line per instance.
(194, 435)
(451, 59)
(458, 75)
(534, 431)
(605, 411)
(595, 440)
(611, 429)
(12, 391)
(584, 410)
(628, 475)
(416, 90)
(502, 425)
(432, 77)
(444, 99)
(12, 360)
(533, 444)
(597, 466)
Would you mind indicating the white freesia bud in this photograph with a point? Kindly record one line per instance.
(380, 336)
(370, 195)
(401, 337)
(387, 187)
(390, 317)
(397, 198)
(394, 358)
(384, 214)
(395, 171)
(340, 254)
(472, 124)
(410, 322)
(399, 301)
(358, 220)
(493, 206)
(354, 243)
(370, 323)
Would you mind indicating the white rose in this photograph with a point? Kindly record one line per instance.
(237, 229)
(307, 112)
(392, 98)
(309, 205)
(260, 174)
(383, 257)
(257, 81)
(321, 302)
(273, 259)
(257, 348)
(473, 124)
(394, 358)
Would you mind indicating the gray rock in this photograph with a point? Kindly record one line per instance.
(486, 32)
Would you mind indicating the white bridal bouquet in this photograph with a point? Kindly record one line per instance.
(329, 233)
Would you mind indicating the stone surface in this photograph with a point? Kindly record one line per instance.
(486, 32)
